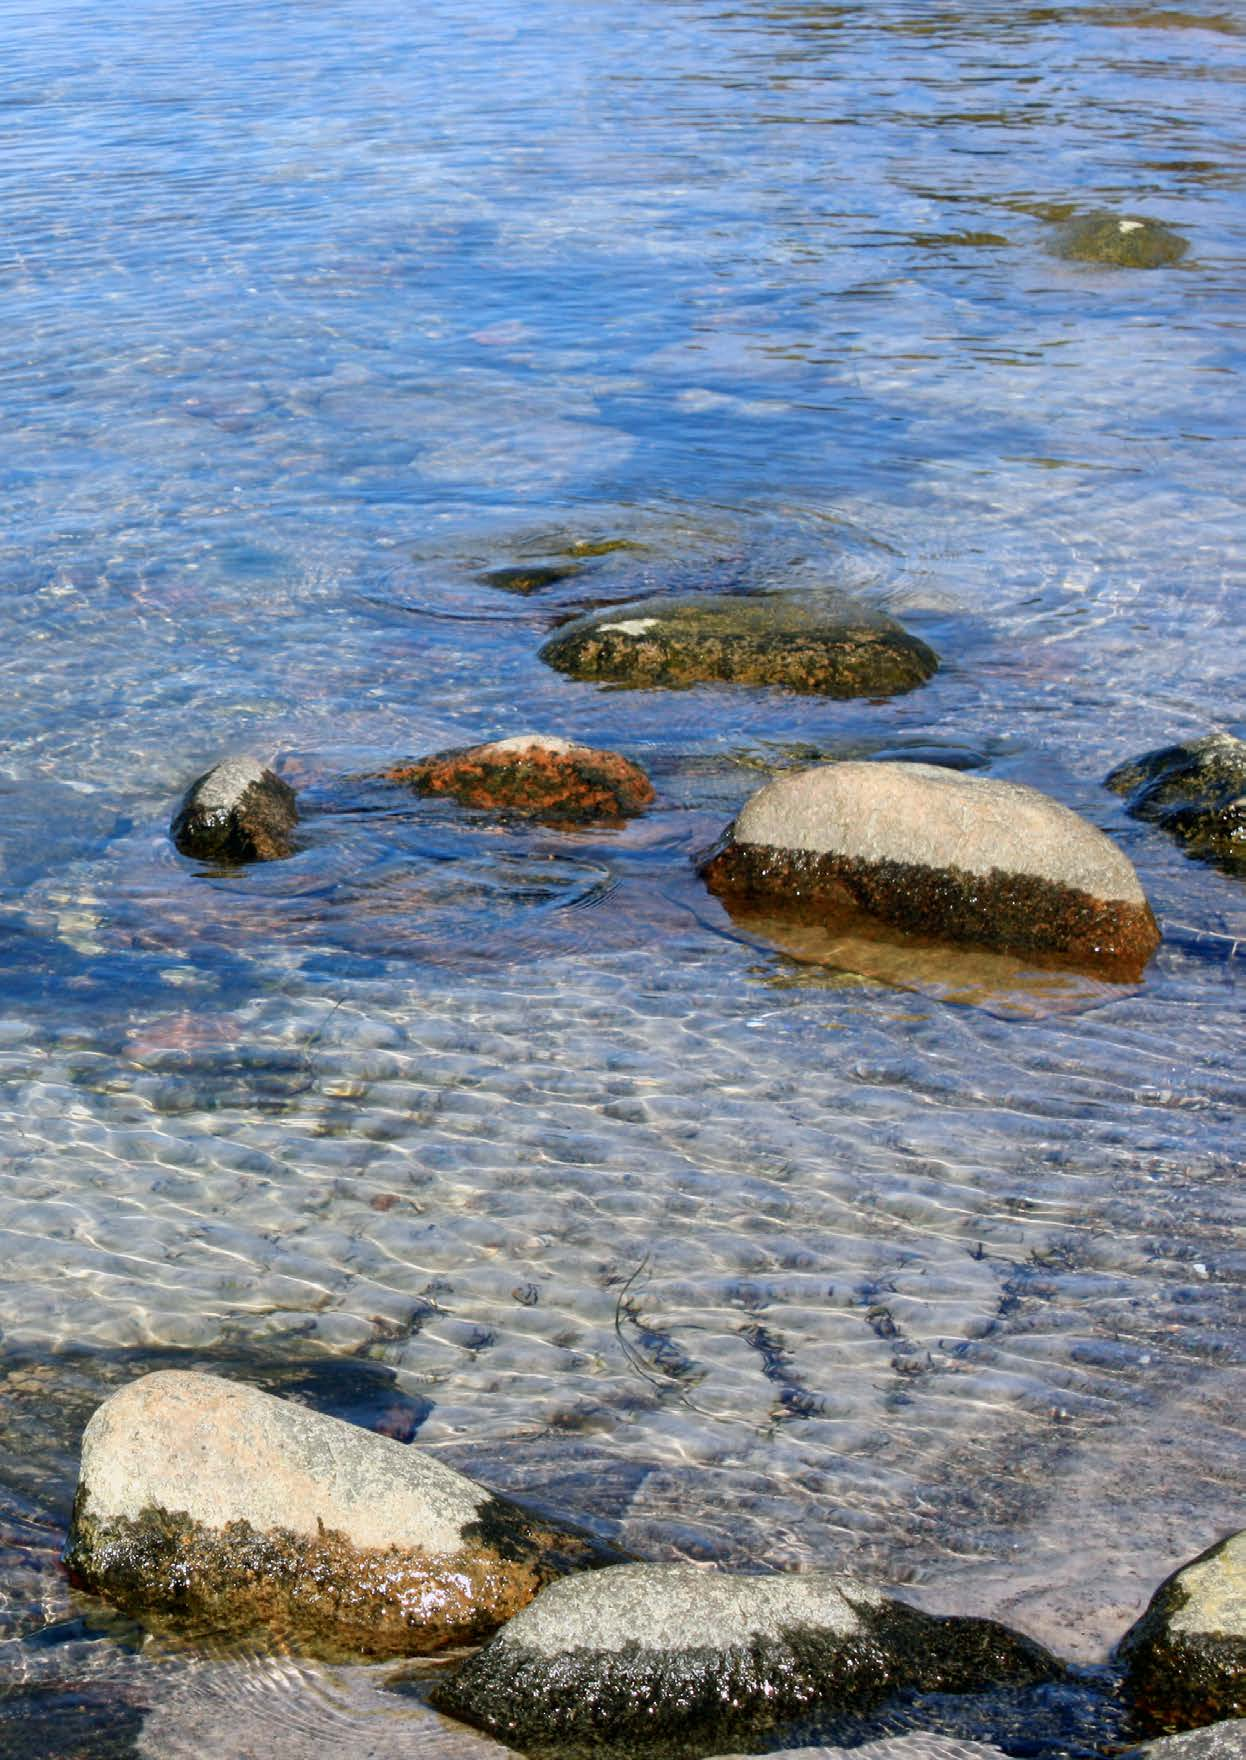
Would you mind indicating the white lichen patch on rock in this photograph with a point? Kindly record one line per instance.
(1131, 225)
(224, 786)
(632, 626)
(527, 742)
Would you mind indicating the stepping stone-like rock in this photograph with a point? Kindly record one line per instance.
(1196, 792)
(533, 773)
(811, 642)
(528, 579)
(671, 1660)
(237, 812)
(1123, 241)
(1185, 1659)
(208, 1503)
(937, 853)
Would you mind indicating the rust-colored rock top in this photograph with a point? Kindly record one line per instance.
(533, 774)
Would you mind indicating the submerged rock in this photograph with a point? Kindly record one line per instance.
(237, 812)
(674, 1661)
(937, 853)
(1185, 1659)
(533, 773)
(810, 642)
(1196, 792)
(208, 1502)
(528, 579)
(1126, 242)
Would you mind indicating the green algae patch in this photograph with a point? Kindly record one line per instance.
(817, 644)
(1119, 241)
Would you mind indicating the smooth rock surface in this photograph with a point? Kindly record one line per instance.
(237, 812)
(1196, 792)
(939, 853)
(673, 1660)
(533, 773)
(211, 1502)
(1185, 1659)
(1123, 241)
(1217, 1741)
(821, 643)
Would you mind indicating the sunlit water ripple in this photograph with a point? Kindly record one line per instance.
(505, 1139)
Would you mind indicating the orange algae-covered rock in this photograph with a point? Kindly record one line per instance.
(533, 773)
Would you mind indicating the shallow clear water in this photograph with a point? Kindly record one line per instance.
(309, 317)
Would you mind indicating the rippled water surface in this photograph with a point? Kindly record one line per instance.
(507, 1139)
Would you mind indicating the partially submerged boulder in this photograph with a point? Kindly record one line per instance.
(237, 812)
(1216, 1741)
(819, 643)
(529, 578)
(1195, 792)
(533, 773)
(210, 1503)
(1123, 241)
(1185, 1659)
(677, 1661)
(938, 853)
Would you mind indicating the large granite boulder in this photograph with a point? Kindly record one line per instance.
(935, 852)
(211, 1503)
(677, 1661)
(820, 643)
(1121, 241)
(237, 812)
(1185, 1659)
(532, 773)
(1196, 792)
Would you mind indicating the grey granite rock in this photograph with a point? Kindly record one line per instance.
(209, 1502)
(938, 853)
(237, 812)
(1196, 792)
(1185, 1659)
(1216, 1741)
(674, 1661)
(820, 643)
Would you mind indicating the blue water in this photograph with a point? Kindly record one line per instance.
(310, 316)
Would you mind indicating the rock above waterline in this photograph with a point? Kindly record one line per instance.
(533, 773)
(1124, 241)
(817, 643)
(237, 812)
(1196, 792)
(1217, 1741)
(208, 1503)
(937, 853)
(673, 1661)
(1185, 1659)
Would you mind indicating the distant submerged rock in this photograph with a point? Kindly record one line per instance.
(818, 643)
(1124, 242)
(533, 773)
(237, 812)
(1196, 792)
(938, 853)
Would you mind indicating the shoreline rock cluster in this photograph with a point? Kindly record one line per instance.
(212, 1508)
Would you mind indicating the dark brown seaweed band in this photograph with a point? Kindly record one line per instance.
(1010, 912)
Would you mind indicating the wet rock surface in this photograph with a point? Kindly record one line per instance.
(1124, 241)
(1216, 1741)
(674, 1661)
(1185, 1659)
(528, 579)
(237, 812)
(214, 1505)
(822, 644)
(1195, 792)
(936, 853)
(533, 773)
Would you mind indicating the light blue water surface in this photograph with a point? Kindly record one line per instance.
(309, 316)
